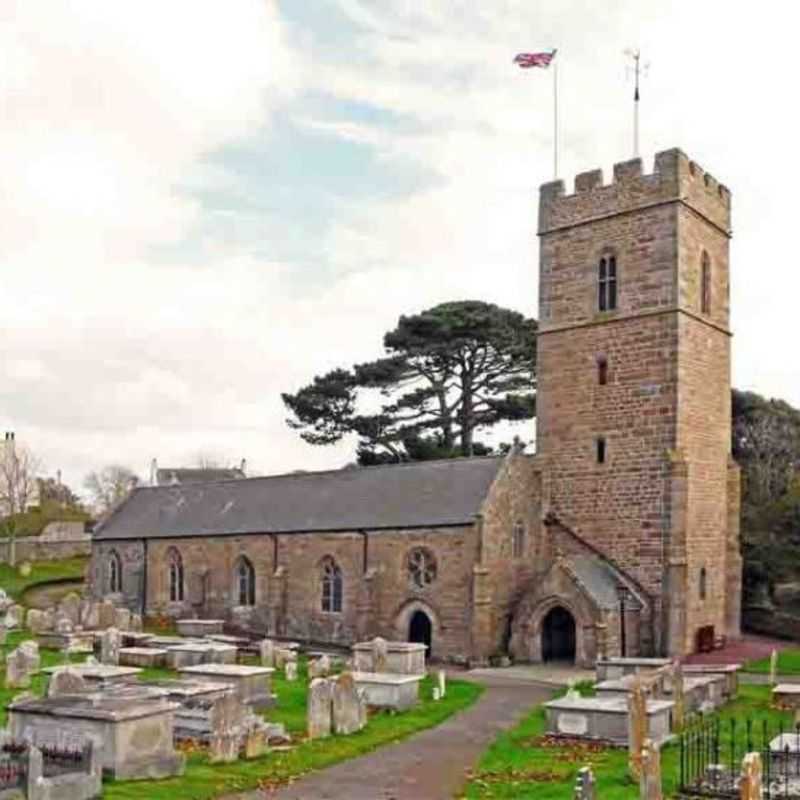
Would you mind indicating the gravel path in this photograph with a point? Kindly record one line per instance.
(431, 765)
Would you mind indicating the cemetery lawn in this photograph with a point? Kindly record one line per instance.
(523, 764)
(788, 664)
(68, 569)
(203, 781)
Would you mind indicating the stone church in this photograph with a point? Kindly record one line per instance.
(620, 536)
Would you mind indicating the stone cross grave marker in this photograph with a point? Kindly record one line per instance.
(584, 785)
(773, 668)
(637, 728)
(650, 781)
(678, 697)
(750, 786)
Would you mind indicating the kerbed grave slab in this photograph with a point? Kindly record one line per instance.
(134, 726)
(199, 627)
(252, 684)
(173, 641)
(81, 642)
(729, 671)
(388, 689)
(142, 657)
(403, 658)
(613, 668)
(605, 719)
(102, 674)
(787, 695)
(179, 690)
(189, 655)
(135, 639)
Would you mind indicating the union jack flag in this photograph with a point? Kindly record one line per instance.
(528, 60)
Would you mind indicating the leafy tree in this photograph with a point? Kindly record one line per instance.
(447, 373)
(109, 486)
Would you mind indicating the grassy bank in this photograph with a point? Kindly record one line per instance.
(16, 585)
(524, 764)
(788, 664)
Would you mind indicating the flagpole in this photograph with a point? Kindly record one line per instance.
(555, 119)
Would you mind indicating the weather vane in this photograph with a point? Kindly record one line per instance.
(638, 70)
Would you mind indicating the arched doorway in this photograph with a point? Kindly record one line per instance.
(420, 629)
(558, 635)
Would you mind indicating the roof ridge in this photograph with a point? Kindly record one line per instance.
(309, 473)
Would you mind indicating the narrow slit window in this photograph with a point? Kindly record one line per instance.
(703, 583)
(705, 285)
(607, 284)
(601, 450)
(602, 371)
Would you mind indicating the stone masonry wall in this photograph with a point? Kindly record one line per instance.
(377, 592)
(667, 399)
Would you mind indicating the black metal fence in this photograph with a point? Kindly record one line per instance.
(711, 753)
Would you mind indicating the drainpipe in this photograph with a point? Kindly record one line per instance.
(364, 551)
(144, 580)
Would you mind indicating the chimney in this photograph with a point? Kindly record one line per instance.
(153, 472)
(243, 466)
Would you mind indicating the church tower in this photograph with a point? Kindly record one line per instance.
(634, 408)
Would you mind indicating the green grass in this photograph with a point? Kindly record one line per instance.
(34, 521)
(41, 572)
(518, 765)
(202, 781)
(788, 664)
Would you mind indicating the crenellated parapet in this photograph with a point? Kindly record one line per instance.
(675, 178)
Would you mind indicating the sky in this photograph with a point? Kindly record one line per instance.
(204, 204)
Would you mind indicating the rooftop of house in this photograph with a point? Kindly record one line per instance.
(166, 476)
(419, 494)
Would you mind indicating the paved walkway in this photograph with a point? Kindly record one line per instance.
(431, 765)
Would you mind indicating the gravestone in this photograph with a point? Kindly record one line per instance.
(283, 656)
(441, 678)
(290, 671)
(319, 667)
(122, 619)
(37, 621)
(14, 616)
(70, 607)
(255, 741)
(750, 786)
(227, 716)
(319, 710)
(105, 615)
(18, 670)
(63, 625)
(3, 634)
(380, 654)
(266, 652)
(90, 614)
(31, 651)
(637, 728)
(773, 668)
(585, 785)
(136, 624)
(347, 712)
(110, 642)
(5, 601)
(650, 781)
(65, 681)
(601, 639)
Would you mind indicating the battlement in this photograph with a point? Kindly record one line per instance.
(674, 177)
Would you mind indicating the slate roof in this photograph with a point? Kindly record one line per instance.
(600, 580)
(430, 493)
(166, 476)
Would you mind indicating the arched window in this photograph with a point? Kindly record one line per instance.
(602, 371)
(705, 284)
(245, 582)
(607, 284)
(114, 572)
(421, 566)
(518, 540)
(703, 585)
(175, 567)
(331, 586)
